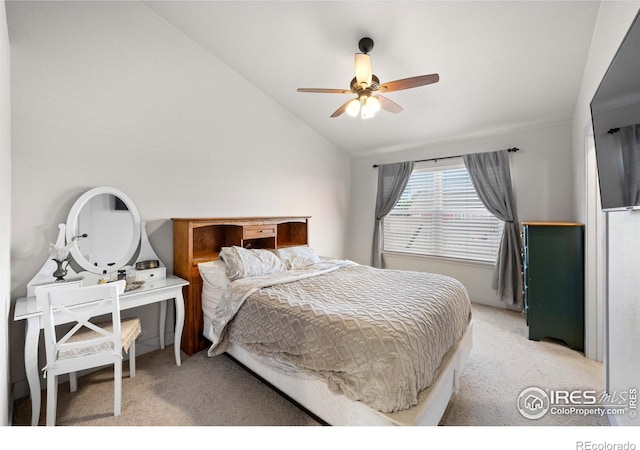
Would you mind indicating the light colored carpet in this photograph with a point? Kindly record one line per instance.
(216, 391)
(504, 362)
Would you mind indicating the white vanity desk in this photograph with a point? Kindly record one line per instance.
(155, 290)
(151, 292)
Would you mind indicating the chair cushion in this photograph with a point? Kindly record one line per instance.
(130, 329)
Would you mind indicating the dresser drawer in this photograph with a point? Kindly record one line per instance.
(258, 231)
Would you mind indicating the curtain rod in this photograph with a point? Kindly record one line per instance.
(510, 150)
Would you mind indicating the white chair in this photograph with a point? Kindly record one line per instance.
(86, 345)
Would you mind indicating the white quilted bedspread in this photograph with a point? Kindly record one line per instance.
(377, 336)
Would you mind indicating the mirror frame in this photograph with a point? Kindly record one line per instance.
(72, 220)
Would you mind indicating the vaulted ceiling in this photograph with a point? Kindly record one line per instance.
(503, 66)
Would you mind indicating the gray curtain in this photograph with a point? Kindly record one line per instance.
(491, 179)
(629, 143)
(392, 179)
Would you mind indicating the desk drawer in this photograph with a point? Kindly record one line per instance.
(151, 274)
(258, 231)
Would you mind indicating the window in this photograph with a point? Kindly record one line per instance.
(440, 214)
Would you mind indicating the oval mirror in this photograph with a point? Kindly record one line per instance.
(104, 228)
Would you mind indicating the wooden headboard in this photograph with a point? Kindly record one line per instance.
(197, 240)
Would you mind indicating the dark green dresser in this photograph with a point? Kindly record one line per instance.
(554, 281)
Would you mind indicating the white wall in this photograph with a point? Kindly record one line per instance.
(5, 217)
(108, 93)
(542, 180)
(623, 350)
(622, 355)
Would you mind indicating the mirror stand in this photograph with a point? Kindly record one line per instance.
(45, 274)
(146, 251)
(80, 270)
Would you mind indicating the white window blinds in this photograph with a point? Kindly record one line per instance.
(440, 214)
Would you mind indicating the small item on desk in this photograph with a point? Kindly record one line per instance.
(149, 264)
(131, 285)
(130, 275)
(122, 274)
(103, 279)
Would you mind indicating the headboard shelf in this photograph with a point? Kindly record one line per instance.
(291, 233)
(204, 257)
(199, 240)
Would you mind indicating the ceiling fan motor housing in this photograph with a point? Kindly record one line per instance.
(355, 87)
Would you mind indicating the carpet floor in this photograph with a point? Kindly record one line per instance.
(219, 392)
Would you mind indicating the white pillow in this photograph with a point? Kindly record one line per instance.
(214, 274)
(296, 257)
(243, 263)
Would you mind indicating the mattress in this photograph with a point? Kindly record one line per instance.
(377, 336)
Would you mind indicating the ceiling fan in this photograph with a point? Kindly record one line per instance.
(367, 87)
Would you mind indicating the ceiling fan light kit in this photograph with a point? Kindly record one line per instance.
(353, 107)
(365, 84)
(366, 106)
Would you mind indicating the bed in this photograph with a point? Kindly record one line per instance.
(352, 344)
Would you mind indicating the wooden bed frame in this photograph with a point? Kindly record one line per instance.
(198, 240)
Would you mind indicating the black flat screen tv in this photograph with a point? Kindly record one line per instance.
(615, 115)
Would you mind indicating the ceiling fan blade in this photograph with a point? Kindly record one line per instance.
(408, 83)
(325, 91)
(389, 105)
